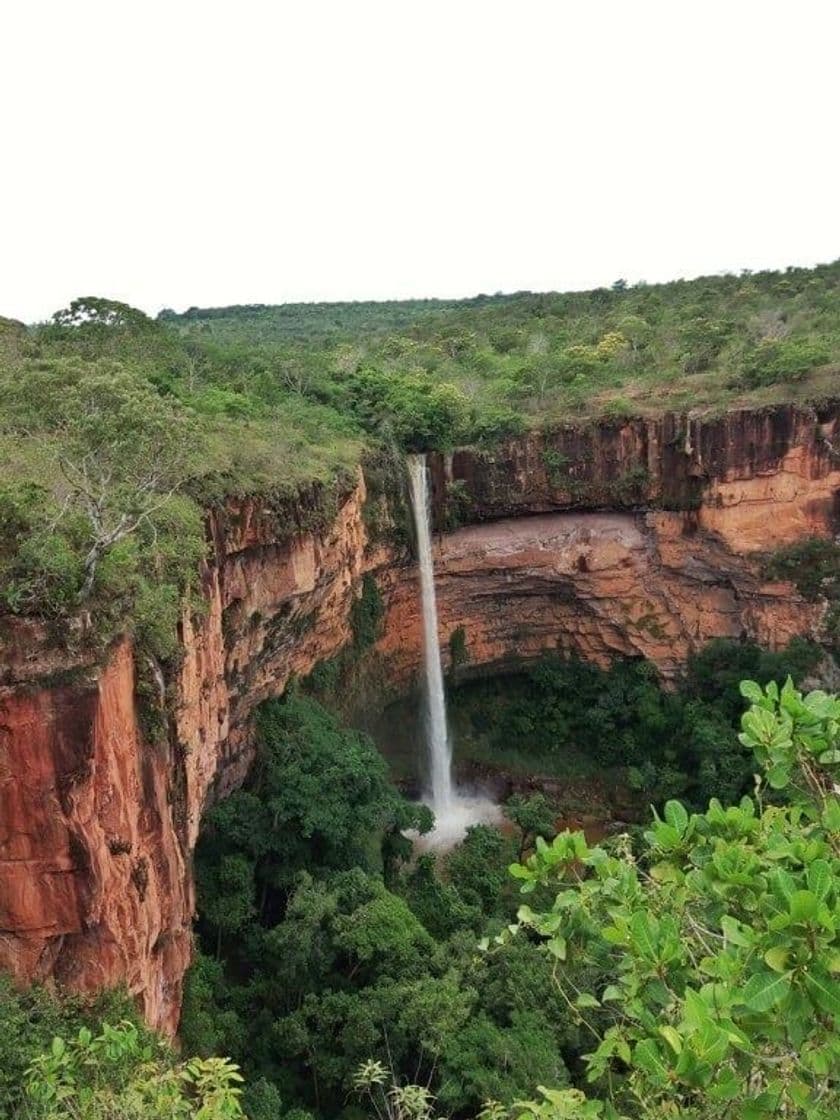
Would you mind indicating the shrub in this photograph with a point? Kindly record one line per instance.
(619, 408)
(813, 565)
(719, 945)
(781, 359)
(121, 1072)
(366, 614)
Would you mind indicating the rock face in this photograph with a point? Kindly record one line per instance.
(97, 820)
(94, 887)
(619, 539)
(601, 585)
(734, 470)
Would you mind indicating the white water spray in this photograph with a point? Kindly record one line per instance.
(440, 752)
(454, 812)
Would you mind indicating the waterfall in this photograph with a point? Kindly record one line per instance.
(440, 751)
(455, 811)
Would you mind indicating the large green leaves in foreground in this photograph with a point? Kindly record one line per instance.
(121, 1074)
(721, 942)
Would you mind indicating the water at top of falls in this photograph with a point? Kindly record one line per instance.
(440, 752)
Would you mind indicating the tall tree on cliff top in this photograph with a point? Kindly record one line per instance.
(119, 449)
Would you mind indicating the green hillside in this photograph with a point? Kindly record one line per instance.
(712, 342)
(117, 429)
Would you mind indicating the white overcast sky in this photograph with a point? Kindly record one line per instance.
(180, 153)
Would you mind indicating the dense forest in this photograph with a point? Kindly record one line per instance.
(686, 966)
(326, 945)
(542, 357)
(683, 969)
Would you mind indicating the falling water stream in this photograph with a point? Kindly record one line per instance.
(437, 733)
(454, 811)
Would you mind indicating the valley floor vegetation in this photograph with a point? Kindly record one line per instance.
(687, 969)
(327, 951)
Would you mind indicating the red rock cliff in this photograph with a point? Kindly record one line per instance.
(94, 887)
(633, 538)
(97, 824)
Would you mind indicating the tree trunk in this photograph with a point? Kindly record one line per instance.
(91, 561)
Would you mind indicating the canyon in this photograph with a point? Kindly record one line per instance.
(639, 537)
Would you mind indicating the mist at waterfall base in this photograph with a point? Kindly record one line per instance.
(454, 810)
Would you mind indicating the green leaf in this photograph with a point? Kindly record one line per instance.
(751, 691)
(696, 1010)
(664, 836)
(710, 1044)
(820, 878)
(820, 704)
(676, 816)
(800, 1093)
(647, 1057)
(760, 1108)
(642, 935)
(764, 990)
(777, 958)
(520, 872)
(726, 1086)
(830, 758)
(613, 935)
(825, 992)
(673, 1038)
(735, 932)
(783, 884)
(666, 872)
(831, 815)
(803, 906)
(557, 947)
(586, 1000)
(778, 776)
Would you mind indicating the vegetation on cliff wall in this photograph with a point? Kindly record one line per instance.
(569, 719)
(813, 566)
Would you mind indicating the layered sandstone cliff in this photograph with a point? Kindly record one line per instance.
(633, 538)
(596, 584)
(735, 470)
(98, 820)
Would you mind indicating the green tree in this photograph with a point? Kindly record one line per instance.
(721, 942)
(476, 868)
(533, 815)
(785, 359)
